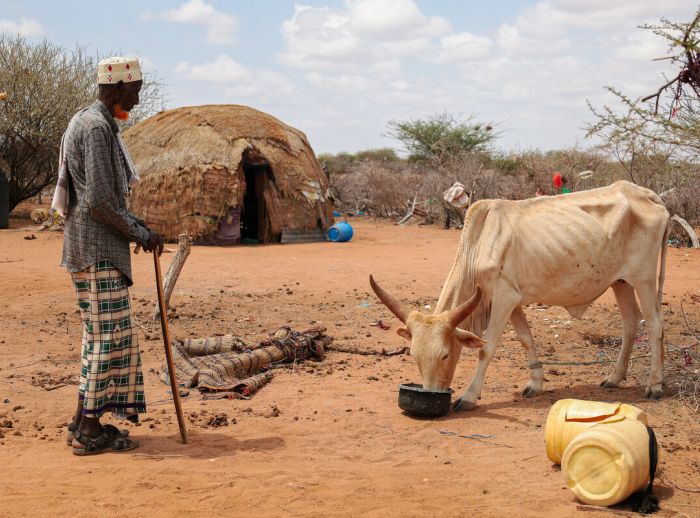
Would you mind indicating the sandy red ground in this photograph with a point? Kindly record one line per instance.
(337, 444)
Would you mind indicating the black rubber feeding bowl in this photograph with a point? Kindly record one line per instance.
(416, 400)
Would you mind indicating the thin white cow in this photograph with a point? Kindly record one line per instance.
(557, 250)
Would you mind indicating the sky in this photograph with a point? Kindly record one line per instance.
(340, 70)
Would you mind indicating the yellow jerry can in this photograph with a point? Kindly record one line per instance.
(608, 462)
(570, 417)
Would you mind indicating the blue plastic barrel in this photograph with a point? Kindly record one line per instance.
(340, 232)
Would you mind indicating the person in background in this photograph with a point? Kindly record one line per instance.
(564, 188)
(559, 181)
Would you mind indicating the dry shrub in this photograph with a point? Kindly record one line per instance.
(386, 188)
(678, 182)
(45, 85)
(684, 200)
(379, 187)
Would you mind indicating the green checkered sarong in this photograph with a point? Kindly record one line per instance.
(110, 377)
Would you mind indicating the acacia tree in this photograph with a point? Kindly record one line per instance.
(455, 151)
(46, 85)
(656, 138)
(441, 135)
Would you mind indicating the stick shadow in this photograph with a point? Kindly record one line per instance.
(203, 445)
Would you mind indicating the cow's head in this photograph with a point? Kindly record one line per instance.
(436, 341)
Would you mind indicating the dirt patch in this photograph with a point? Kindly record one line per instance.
(323, 439)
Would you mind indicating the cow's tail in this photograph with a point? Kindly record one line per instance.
(662, 269)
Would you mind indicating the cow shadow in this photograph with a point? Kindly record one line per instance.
(630, 394)
(633, 395)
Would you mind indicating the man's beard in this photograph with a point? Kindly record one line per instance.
(120, 114)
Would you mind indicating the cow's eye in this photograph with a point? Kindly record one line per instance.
(445, 357)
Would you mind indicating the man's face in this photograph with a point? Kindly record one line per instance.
(129, 95)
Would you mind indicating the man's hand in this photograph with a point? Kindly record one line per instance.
(154, 243)
(141, 222)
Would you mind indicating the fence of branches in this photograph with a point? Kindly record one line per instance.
(386, 186)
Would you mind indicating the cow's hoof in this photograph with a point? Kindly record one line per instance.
(462, 405)
(609, 384)
(531, 391)
(653, 393)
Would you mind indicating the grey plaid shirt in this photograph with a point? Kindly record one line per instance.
(98, 226)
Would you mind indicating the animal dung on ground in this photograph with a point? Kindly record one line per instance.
(218, 420)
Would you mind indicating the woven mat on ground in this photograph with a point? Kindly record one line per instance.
(226, 363)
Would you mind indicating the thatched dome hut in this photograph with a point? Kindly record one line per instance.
(226, 174)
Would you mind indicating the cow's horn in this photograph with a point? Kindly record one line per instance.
(389, 301)
(458, 314)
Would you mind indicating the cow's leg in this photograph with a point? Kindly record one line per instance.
(624, 295)
(502, 307)
(522, 329)
(651, 310)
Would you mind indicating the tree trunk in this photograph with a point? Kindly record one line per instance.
(174, 270)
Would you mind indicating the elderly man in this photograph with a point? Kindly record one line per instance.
(95, 175)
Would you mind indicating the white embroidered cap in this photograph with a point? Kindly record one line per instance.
(112, 70)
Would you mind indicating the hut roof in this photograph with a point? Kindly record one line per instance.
(189, 160)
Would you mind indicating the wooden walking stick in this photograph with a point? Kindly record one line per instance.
(168, 352)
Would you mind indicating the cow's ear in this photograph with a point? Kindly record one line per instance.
(404, 332)
(467, 339)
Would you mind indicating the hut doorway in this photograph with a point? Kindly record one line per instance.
(254, 218)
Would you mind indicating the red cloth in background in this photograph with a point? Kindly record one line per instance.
(556, 180)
